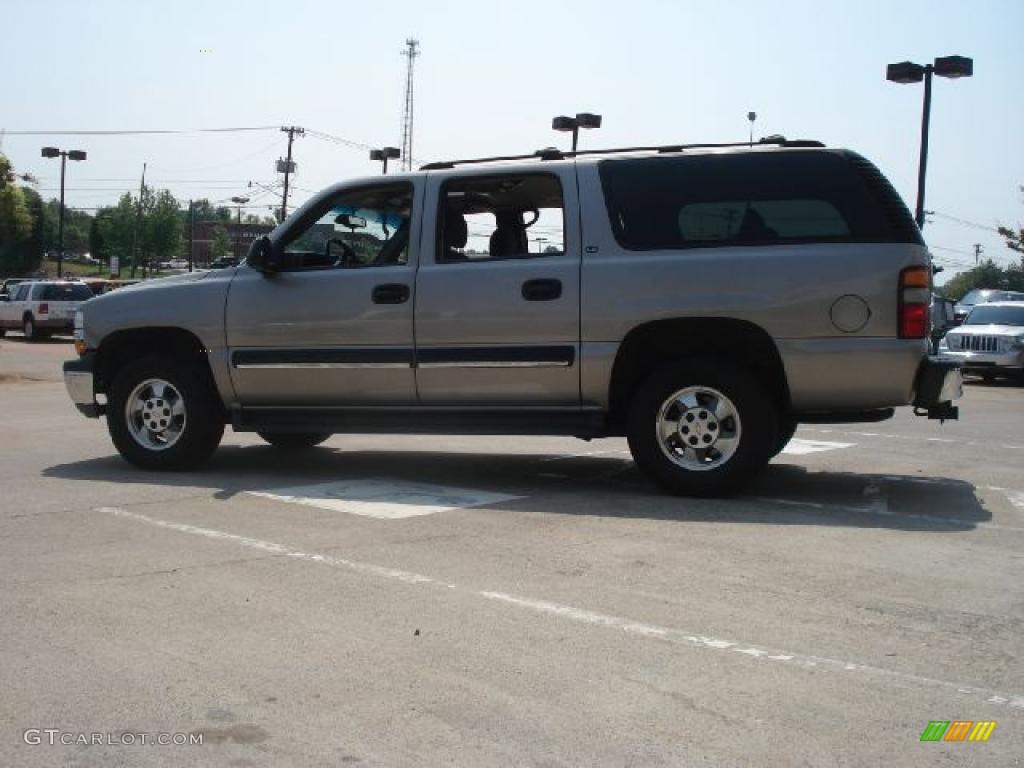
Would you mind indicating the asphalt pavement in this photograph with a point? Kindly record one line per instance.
(494, 601)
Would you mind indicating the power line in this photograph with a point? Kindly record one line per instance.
(965, 222)
(143, 132)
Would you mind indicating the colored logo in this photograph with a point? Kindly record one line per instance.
(958, 730)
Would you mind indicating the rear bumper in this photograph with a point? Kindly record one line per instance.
(939, 382)
(78, 380)
(54, 323)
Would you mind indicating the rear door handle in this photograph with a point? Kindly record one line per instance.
(542, 290)
(391, 293)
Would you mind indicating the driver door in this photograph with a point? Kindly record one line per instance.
(334, 326)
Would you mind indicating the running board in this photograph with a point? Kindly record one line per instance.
(423, 420)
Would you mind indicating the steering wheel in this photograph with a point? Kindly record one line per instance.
(348, 254)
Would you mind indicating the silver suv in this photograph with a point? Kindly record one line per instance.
(699, 300)
(990, 343)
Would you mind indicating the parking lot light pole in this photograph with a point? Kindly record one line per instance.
(383, 154)
(572, 125)
(908, 72)
(239, 201)
(74, 154)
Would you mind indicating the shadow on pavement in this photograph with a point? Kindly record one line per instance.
(598, 486)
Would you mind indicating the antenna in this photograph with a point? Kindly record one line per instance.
(411, 52)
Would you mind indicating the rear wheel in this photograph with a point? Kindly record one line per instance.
(294, 441)
(787, 428)
(163, 415)
(28, 327)
(702, 428)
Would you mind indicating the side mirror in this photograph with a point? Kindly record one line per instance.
(261, 255)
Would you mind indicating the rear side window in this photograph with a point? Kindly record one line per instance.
(64, 293)
(751, 199)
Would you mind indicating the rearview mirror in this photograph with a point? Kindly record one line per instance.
(350, 221)
(261, 255)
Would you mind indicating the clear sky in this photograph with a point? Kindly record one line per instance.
(492, 75)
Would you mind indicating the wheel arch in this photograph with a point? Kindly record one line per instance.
(122, 347)
(652, 344)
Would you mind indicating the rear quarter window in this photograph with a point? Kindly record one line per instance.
(751, 199)
(64, 293)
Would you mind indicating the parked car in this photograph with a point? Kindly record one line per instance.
(42, 307)
(227, 261)
(943, 318)
(990, 342)
(701, 301)
(982, 296)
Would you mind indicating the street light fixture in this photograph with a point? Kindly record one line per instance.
(238, 200)
(383, 154)
(74, 154)
(572, 125)
(906, 72)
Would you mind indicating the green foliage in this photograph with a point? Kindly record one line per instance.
(988, 274)
(162, 232)
(1014, 237)
(15, 223)
(221, 245)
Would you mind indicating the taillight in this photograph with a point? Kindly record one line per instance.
(44, 309)
(914, 300)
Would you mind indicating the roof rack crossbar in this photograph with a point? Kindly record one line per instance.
(555, 154)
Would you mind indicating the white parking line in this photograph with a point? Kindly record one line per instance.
(800, 447)
(384, 498)
(919, 438)
(592, 618)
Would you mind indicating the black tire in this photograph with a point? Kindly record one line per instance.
(3, 332)
(203, 425)
(757, 436)
(787, 428)
(28, 328)
(294, 441)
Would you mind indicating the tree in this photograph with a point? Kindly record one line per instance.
(988, 274)
(221, 246)
(15, 221)
(163, 227)
(1014, 237)
(116, 227)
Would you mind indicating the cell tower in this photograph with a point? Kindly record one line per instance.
(412, 50)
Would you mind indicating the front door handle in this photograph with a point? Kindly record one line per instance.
(391, 293)
(542, 290)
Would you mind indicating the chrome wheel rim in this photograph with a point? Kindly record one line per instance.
(155, 414)
(698, 428)
(30, 328)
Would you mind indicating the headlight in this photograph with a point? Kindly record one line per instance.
(943, 344)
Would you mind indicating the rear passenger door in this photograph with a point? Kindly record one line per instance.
(497, 292)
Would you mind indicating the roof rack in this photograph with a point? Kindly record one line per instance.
(552, 153)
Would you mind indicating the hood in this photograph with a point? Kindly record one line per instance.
(160, 282)
(989, 330)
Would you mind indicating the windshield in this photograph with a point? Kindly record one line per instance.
(988, 315)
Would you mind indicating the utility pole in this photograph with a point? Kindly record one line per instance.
(191, 231)
(411, 52)
(138, 221)
(978, 250)
(287, 167)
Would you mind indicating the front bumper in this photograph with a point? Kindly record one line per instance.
(939, 382)
(987, 361)
(78, 379)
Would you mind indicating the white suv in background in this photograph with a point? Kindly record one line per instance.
(42, 307)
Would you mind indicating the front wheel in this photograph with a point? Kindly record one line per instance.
(294, 441)
(701, 428)
(161, 414)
